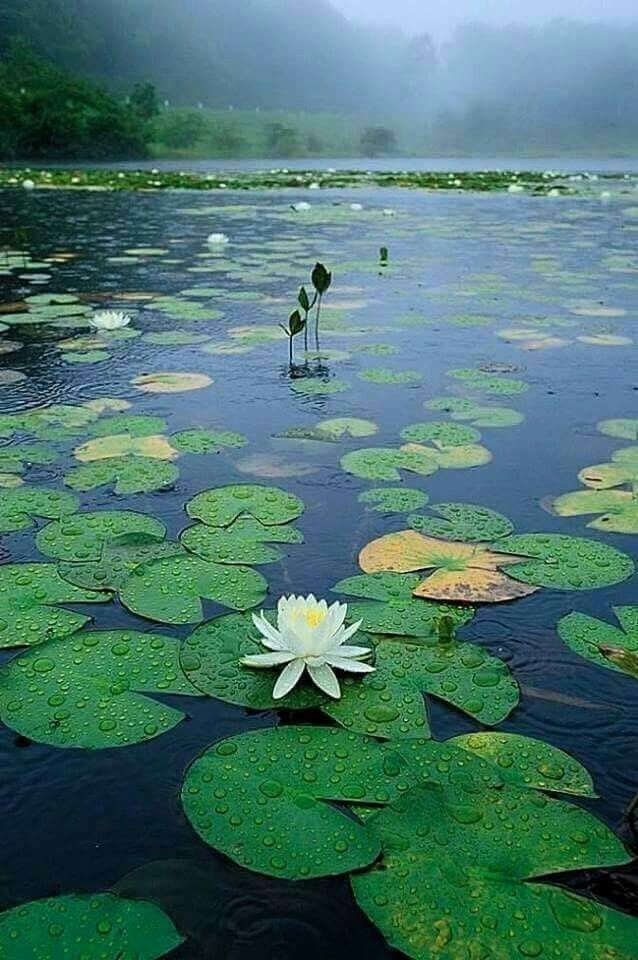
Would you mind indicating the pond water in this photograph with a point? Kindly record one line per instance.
(536, 296)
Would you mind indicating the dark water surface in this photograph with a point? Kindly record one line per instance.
(77, 820)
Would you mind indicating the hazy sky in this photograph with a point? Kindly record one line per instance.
(439, 19)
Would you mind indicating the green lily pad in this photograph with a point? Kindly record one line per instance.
(206, 441)
(29, 593)
(454, 878)
(211, 659)
(310, 387)
(87, 356)
(170, 589)
(383, 375)
(124, 474)
(625, 428)
(135, 424)
(462, 521)
(619, 509)
(223, 505)
(602, 642)
(24, 454)
(565, 563)
(393, 499)
(175, 338)
(89, 690)
(479, 416)
(389, 702)
(339, 428)
(98, 924)
(486, 383)
(83, 536)
(245, 541)
(441, 433)
(525, 762)
(19, 505)
(278, 786)
(384, 463)
(116, 563)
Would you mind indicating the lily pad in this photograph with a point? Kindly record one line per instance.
(124, 474)
(175, 338)
(85, 356)
(624, 428)
(116, 563)
(19, 505)
(244, 542)
(83, 536)
(383, 375)
(170, 589)
(525, 762)
(441, 433)
(171, 382)
(393, 499)
(459, 457)
(486, 383)
(15, 456)
(277, 813)
(88, 690)
(619, 509)
(223, 505)
(29, 593)
(390, 702)
(124, 445)
(99, 924)
(211, 659)
(339, 428)
(384, 463)
(603, 643)
(565, 563)
(448, 854)
(464, 572)
(479, 416)
(207, 441)
(462, 521)
(135, 424)
(311, 387)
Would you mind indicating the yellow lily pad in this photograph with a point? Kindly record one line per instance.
(122, 445)
(171, 382)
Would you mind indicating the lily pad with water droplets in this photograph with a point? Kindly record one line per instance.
(246, 541)
(476, 414)
(459, 457)
(384, 463)
(211, 659)
(383, 375)
(389, 703)
(170, 590)
(116, 563)
(463, 572)
(90, 690)
(311, 387)
(135, 424)
(440, 433)
(603, 643)
(15, 457)
(223, 505)
(462, 521)
(83, 536)
(565, 563)
(124, 474)
(619, 509)
(526, 762)
(393, 499)
(455, 877)
(97, 924)
(19, 505)
(29, 594)
(207, 441)
(486, 383)
(278, 787)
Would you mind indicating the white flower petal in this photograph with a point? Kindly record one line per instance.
(324, 677)
(351, 666)
(355, 652)
(267, 659)
(271, 637)
(288, 678)
(337, 614)
(344, 635)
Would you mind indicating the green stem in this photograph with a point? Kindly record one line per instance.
(305, 334)
(317, 323)
(290, 351)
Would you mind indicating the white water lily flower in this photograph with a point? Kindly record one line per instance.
(301, 207)
(356, 207)
(515, 188)
(310, 636)
(109, 320)
(28, 184)
(218, 239)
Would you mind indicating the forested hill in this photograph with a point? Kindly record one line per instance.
(290, 54)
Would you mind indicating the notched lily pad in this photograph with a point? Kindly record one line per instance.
(565, 563)
(83, 536)
(393, 499)
(89, 690)
(126, 475)
(244, 541)
(385, 463)
(223, 505)
(462, 521)
(19, 505)
(207, 441)
(278, 787)
(605, 644)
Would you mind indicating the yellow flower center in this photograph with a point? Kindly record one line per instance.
(314, 618)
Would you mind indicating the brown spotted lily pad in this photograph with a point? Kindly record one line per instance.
(463, 572)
